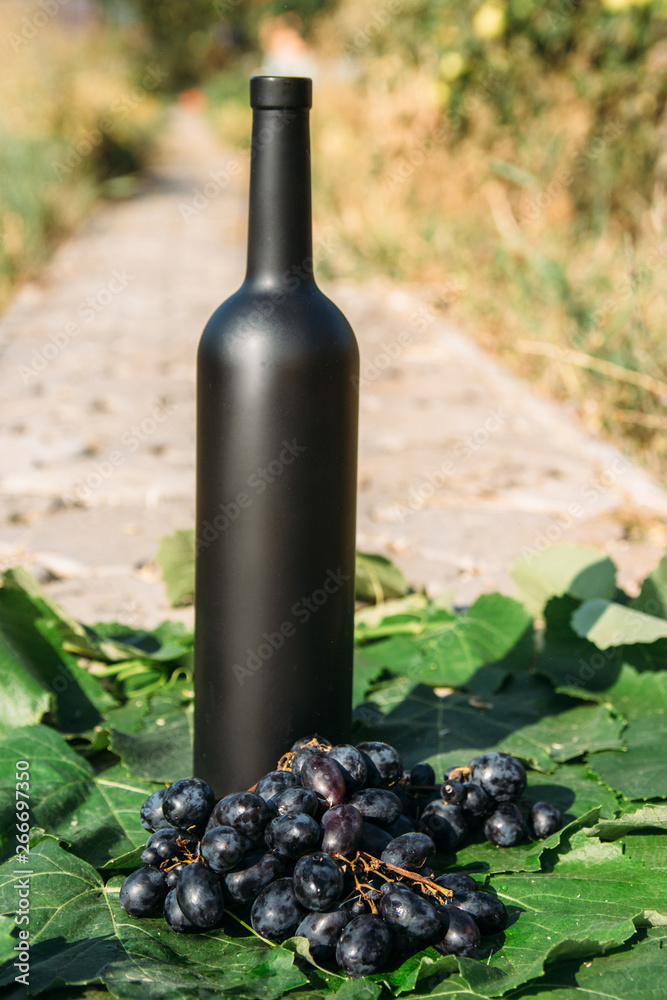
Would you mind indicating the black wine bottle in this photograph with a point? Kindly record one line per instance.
(277, 413)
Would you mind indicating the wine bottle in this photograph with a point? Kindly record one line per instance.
(277, 414)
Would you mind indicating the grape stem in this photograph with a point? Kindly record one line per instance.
(285, 762)
(459, 772)
(189, 858)
(390, 873)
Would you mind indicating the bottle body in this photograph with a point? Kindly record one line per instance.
(277, 411)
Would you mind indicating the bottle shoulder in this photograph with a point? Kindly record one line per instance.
(282, 318)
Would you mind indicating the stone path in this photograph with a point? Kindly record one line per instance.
(461, 465)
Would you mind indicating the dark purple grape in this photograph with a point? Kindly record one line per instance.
(460, 932)
(506, 826)
(274, 782)
(545, 819)
(296, 800)
(324, 776)
(151, 815)
(174, 915)
(351, 763)
(409, 803)
(199, 895)
(405, 911)
(173, 875)
(322, 742)
(256, 871)
(318, 881)
(300, 757)
(388, 887)
(188, 803)
(457, 882)
(383, 764)
(276, 913)
(445, 823)
(322, 931)
(150, 857)
(400, 826)
(293, 835)
(373, 839)
(223, 847)
(173, 845)
(343, 826)
(477, 803)
(453, 792)
(378, 805)
(487, 911)
(143, 892)
(422, 774)
(246, 812)
(501, 776)
(363, 946)
(410, 851)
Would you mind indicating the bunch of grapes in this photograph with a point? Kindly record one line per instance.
(333, 845)
(488, 793)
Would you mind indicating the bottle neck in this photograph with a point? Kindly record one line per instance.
(280, 228)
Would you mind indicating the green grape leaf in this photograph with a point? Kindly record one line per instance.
(639, 772)
(526, 718)
(575, 665)
(648, 817)
(449, 649)
(377, 579)
(607, 624)
(635, 973)
(652, 597)
(155, 740)
(32, 653)
(593, 900)
(176, 559)
(98, 814)
(563, 569)
(79, 935)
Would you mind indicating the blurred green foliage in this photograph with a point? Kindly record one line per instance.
(192, 38)
(512, 53)
(78, 119)
(511, 154)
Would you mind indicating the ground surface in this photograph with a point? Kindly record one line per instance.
(461, 466)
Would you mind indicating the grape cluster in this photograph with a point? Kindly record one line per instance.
(333, 845)
(488, 794)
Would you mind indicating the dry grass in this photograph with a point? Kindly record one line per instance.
(488, 213)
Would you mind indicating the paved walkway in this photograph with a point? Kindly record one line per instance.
(461, 468)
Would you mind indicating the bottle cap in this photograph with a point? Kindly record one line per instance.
(278, 92)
